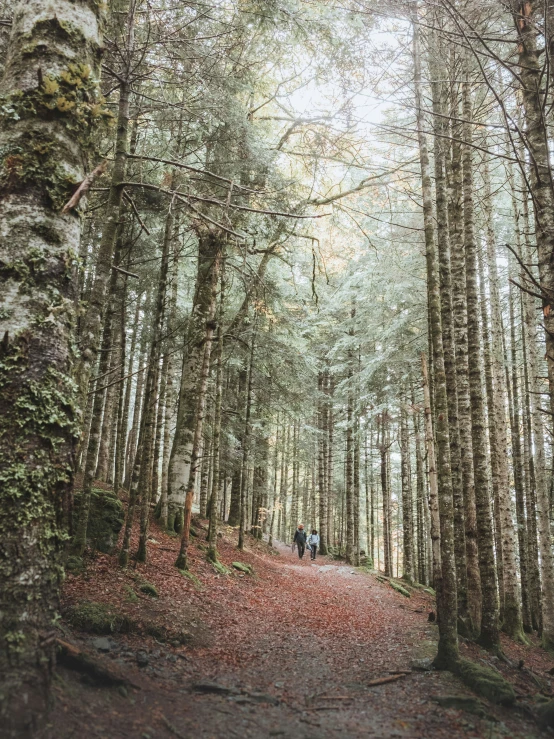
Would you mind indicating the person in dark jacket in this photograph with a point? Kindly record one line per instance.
(300, 540)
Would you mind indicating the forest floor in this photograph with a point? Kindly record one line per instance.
(290, 650)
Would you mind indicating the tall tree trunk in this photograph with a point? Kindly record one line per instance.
(247, 439)
(512, 613)
(459, 311)
(102, 462)
(407, 523)
(369, 494)
(356, 486)
(209, 250)
(275, 503)
(182, 559)
(162, 403)
(132, 440)
(527, 19)
(495, 420)
(330, 460)
(489, 636)
(385, 493)
(259, 482)
(523, 548)
(152, 396)
(124, 391)
(90, 328)
(168, 415)
(421, 503)
(218, 403)
(234, 505)
(530, 496)
(432, 473)
(38, 250)
(80, 540)
(445, 582)
(294, 512)
(349, 483)
(322, 451)
(438, 89)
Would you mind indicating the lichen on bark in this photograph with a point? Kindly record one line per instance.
(44, 141)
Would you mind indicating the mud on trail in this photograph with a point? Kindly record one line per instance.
(291, 650)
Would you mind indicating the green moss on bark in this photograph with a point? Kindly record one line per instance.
(485, 681)
(106, 518)
(31, 159)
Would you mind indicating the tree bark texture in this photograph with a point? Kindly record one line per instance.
(209, 248)
(42, 160)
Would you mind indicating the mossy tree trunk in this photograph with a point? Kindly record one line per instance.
(43, 149)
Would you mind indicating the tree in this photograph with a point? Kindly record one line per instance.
(50, 104)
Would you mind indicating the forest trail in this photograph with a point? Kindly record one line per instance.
(291, 651)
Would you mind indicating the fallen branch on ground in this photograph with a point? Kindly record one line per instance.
(172, 728)
(383, 680)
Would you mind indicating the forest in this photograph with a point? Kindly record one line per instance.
(266, 263)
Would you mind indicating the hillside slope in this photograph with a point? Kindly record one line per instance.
(288, 650)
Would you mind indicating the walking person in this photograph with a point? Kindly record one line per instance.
(313, 543)
(300, 540)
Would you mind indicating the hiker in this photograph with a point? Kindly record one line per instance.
(313, 543)
(300, 540)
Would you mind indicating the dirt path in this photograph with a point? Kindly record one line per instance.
(292, 651)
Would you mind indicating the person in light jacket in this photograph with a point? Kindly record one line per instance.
(313, 543)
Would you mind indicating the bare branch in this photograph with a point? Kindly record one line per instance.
(75, 199)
